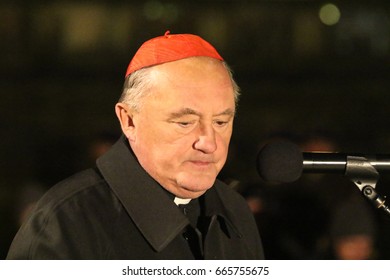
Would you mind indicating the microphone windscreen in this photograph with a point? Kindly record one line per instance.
(280, 162)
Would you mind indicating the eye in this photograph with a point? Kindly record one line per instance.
(221, 123)
(184, 124)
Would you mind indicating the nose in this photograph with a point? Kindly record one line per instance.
(206, 140)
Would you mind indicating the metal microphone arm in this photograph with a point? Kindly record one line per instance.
(365, 177)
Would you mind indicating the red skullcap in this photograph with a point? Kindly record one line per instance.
(170, 47)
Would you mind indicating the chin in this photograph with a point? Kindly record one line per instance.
(195, 185)
(191, 193)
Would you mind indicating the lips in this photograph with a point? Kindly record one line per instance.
(201, 163)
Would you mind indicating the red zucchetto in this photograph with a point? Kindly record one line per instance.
(170, 47)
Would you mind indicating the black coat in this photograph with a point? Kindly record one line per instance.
(117, 211)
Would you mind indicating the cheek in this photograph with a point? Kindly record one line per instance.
(222, 147)
(169, 150)
(148, 133)
(224, 138)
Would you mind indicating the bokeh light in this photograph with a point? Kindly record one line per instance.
(329, 14)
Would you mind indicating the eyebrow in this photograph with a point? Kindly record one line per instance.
(189, 111)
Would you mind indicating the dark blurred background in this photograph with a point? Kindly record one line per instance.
(307, 69)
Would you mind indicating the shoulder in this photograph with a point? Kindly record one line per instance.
(60, 224)
(79, 197)
(75, 187)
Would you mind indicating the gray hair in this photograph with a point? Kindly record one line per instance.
(138, 85)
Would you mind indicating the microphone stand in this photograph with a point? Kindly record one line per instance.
(360, 171)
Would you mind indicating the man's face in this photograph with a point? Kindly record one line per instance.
(181, 133)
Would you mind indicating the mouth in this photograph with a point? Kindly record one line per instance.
(200, 163)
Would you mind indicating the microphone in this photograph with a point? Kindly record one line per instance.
(283, 162)
(280, 162)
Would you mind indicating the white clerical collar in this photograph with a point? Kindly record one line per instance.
(179, 200)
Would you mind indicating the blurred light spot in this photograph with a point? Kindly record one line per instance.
(84, 26)
(171, 13)
(215, 27)
(153, 10)
(329, 14)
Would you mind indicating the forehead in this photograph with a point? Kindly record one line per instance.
(194, 72)
(201, 84)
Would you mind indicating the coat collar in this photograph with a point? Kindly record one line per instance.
(218, 204)
(147, 203)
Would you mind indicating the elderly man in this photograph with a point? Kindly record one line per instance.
(154, 194)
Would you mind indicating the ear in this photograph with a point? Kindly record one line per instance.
(125, 117)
